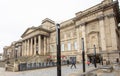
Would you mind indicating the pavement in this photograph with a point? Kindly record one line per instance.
(52, 71)
(65, 71)
(99, 72)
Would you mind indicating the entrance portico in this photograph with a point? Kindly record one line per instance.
(34, 42)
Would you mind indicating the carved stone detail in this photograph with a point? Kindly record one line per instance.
(101, 17)
(110, 15)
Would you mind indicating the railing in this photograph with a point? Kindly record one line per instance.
(30, 66)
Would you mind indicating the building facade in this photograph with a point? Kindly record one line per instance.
(1, 57)
(98, 26)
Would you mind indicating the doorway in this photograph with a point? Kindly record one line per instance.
(91, 58)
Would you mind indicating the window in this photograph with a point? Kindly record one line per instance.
(51, 48)
(62, 36)
(74, 33)
(62, 47)
(69, 46)
(68, 34)
(75, 45)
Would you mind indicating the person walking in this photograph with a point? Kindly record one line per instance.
(88, 62)
(73, 63)
(68, 62)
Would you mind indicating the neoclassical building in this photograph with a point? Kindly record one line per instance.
(98, 26)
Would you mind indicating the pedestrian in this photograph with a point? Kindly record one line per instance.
(68, 62)
(88, 62)
(73, 63)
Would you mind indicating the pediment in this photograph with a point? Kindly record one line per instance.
(31, 32)
(28, 31)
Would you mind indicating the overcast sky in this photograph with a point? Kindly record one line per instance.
(17, 15)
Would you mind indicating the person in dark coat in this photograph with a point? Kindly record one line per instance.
(73, 63)
(68, 62)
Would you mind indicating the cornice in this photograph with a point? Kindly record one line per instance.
(110, 15)
(65, 24)
(100, 17)
(81, 24)
(100, 7)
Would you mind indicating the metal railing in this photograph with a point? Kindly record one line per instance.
(37, 65)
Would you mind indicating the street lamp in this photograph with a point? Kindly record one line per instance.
(58, 50)
(83, 54)
(95, 57)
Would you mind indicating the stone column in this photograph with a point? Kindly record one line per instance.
(25, 48)
(113, 26)
(28, 50)
(102, 33)
(35, 45)
(48, 46)
(39, 44)
(31, 47)
(78, 39)
(45, 43)
(84, 35)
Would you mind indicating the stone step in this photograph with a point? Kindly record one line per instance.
(10, 65)
(9, 68)
(2, 64)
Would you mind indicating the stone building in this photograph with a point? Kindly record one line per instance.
(98, 26)
(1, 57)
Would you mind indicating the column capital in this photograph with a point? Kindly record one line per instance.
(101, 17)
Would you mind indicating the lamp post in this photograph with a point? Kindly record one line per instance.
(83, 54)
(58, 50)
(95, 57)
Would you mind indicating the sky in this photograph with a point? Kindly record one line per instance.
(17, 15)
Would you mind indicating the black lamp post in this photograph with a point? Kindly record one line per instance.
(83, 55)
(95, 57)
(58, 50)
